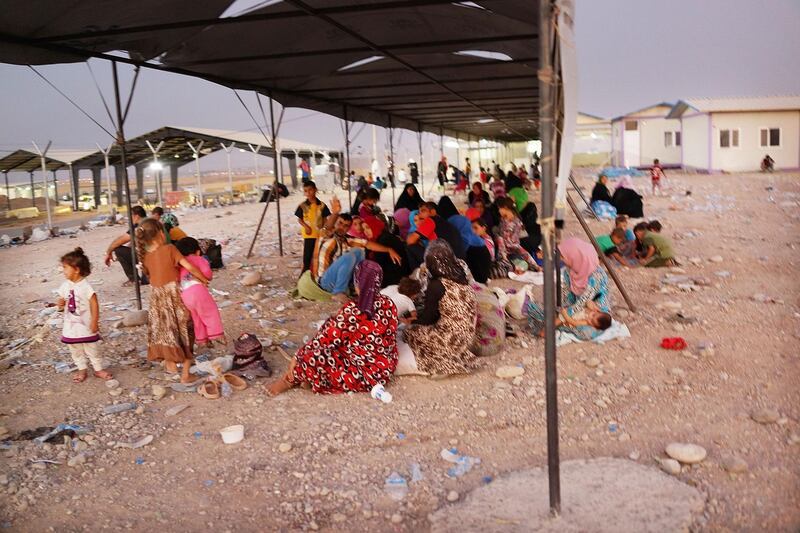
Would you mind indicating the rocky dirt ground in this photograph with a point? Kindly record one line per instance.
(319, 462)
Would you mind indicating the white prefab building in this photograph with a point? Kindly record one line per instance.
(644, 135)
(734, 134)
(592, 141)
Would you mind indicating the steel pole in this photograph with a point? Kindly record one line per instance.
(421, 166)
(276, 161)
(108, 179)
(347, 163)
(546, 114)
(391, 157)
(46, 186)
(126, 185)
(33, 189)
(8, 190)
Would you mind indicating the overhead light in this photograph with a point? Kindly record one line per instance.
(485, 120)
(360, 62)
(155, 165)
(243, 7)
(177, 156)
(471, 5)
(484, 54)
(452, 144)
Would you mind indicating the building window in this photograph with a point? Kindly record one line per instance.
(729, 138)
(672, 138)
(770, 137)
(631, 125)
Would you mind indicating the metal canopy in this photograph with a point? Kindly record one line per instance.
(27, 161)
(176, 149)
(458, 68)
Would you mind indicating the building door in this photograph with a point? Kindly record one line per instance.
(631, 143)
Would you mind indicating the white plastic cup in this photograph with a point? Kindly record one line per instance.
(379, 393)
(232, 434)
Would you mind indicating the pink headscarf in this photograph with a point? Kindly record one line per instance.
(582, 261)
(401, 216)
(625, 182)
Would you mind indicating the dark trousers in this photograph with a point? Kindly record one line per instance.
(124, 255)
(308, 252)
(479, 261)
(416, 255)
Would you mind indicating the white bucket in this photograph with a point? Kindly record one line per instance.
(232, 434)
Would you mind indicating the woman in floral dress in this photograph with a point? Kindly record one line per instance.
(444, 330)
(355, 349)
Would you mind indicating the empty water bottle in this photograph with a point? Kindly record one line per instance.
(226, 389)
(379, 393)
(119, 408)
(396, 486)
(463, 465)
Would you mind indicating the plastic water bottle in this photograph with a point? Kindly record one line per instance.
(379, 393)
(396, 486)
(119, 408)
(226, 389)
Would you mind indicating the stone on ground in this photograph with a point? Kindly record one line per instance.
(686, 453)
(606, 494)
(135, 318)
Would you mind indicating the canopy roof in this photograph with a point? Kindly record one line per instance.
(28, 161)
(176, 149)
(458, 68)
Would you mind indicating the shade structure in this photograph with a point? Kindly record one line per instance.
(29, 161)
(457, 68)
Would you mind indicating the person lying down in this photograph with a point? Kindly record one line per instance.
(591, 316)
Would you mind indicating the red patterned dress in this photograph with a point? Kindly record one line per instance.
(351, 352)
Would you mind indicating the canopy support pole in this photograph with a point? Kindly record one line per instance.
(276, 161)
(600, 254)
(156, 169)
(8, 190)
(106, 153)
(391, 157)
(347, 162)
(33, 189)
(42, 156)
(228, 157)
(196, 152)
(255, 162)
(421, 166)
(124, 165)
(546, 114)
(583, 197)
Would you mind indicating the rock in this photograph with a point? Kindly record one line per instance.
(115, 392)
(284, 447)
(592, 362)
(670, 466)
(135, 318)
(516, 381)
(453, 496)
(734, 464)
(716, 259)
(634, 455)
(761, 298)
(622, 313)
(686, 453)
(338, 517)
(765, 416)
(625, 437)
(482, 413)
(76, 460)
(505, 372)
(172, 411)
(112, 383)
(251, 278)
(695, 260)
(706, 349)
(396, 518)
(159, 391)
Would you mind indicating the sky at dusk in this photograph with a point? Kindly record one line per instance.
(631, 53)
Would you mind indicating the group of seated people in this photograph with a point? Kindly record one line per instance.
(644, 245)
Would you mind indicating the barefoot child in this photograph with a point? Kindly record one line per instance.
(656, 173)
(169, 329)
(656, 248)
(205, 313)
(81, 316)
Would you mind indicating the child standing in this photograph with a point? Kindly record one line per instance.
(311, 215)
(82, 315)
(205, 313)
(169, 329)
(656, 173)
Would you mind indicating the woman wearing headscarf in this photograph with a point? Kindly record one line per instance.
(171, 230)
(376, 231)
(476, 254)
(626, 200)
(583, 282)
(600, 191)
(477, 193)
(409, 198)
(443, 332)
(355, 349)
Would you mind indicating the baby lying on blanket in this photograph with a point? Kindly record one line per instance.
(590, 316)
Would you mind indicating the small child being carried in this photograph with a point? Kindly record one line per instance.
(197, 298)
(403, 295)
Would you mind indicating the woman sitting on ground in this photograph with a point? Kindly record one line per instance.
(171, 229)
(409, 198)
(376, 231)
(507, 236)
(355, 349)
(443, 332)
(477, 255)
(477, 193)
(584, 293)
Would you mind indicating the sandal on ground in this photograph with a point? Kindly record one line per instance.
(105, 375)
(209, 390)
(80, 376)
(236, 383)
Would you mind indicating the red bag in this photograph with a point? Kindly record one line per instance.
(673, 343)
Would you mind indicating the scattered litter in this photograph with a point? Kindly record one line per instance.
(673, 343)
(119, 408)
(45, 461)
(175, 410)
(396, 486)
(416, 472)
(379, 393)
(232, 434)
(62, 367)
(71, 430)
(463, 463)
(141, 443)
(139, 460)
